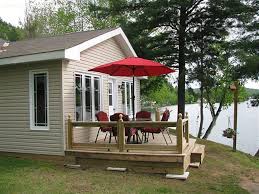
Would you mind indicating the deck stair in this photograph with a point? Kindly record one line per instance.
(195, 164)
(197, 155)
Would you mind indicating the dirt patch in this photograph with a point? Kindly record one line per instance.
(251, 183)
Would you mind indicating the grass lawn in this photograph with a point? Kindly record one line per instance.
(221, 172)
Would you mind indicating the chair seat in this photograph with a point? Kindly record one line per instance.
(105, 129)
(151, 130)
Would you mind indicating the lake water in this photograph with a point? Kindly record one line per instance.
(247, 126)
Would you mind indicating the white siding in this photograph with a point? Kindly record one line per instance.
(15, 132)
(104, 52)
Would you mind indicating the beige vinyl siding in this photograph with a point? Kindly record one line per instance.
(15, 132)
(104, 52)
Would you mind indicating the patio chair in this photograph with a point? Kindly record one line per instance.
(144, 116)
(128, 131)
(102, 116)
(165, 117)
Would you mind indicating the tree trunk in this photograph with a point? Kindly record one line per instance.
(181, 58)
(201, 112)
(212, 124)
(213, 114)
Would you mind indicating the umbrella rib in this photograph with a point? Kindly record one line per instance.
(120, 66)
(145, 70)
(117, 68)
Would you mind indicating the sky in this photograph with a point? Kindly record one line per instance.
(12, 11)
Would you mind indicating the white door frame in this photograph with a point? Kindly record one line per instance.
(114, 95)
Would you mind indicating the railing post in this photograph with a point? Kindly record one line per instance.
(121, 134)
(179, 131)
(69, 133)
(187, 128)
(157, 114)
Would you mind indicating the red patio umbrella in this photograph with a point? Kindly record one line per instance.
(133, 66)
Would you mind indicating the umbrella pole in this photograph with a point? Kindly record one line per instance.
(133, 98)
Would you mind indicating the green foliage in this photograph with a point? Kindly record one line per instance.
(191, 96)
(164, 96)
(243, 95)
(252, 92)
(58, 17)
(246, 48)
(152, 84)
(9, 32)
(50, 18)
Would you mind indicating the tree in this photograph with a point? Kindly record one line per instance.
(164, 30)
(9, 32)
(164, 96)
(54, 17)
(205, 56)
(246, 52)
(216, 75)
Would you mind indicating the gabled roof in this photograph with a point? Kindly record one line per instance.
(67, 46)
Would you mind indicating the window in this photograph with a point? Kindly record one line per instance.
(87, 91)
(127, 89)
(110, 94)
(39, 100)
(88, 98)
(97, 94)
(79, 103)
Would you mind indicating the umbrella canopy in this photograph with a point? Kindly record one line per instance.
(133, 66)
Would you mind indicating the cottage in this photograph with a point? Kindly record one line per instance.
(43, 80)
(48, 102)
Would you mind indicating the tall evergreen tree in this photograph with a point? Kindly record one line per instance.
(165, 30)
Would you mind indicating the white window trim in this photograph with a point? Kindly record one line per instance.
(114, 94)
(31, 95)
(92, 75)
(126, 96)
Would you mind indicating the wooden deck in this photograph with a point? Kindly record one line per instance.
(152, 157)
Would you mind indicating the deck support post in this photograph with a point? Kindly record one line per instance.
(121, 134)
(69, 133)
(187, 128)
(179, 132)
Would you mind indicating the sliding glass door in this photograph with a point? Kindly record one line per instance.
(87, 91)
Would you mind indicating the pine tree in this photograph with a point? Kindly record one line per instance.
(168, 30)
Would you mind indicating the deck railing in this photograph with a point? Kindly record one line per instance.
(182, 135)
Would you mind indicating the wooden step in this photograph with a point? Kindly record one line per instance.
(180, 177)
(195, 165)
(197, 154)
(72, 166)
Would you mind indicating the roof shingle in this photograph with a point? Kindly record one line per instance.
(48, 44)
